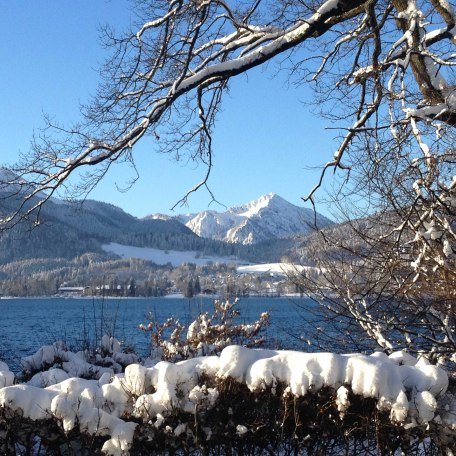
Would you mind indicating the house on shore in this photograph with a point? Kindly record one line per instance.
(72, 291)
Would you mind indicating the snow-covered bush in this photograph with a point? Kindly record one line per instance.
(206, 335)
(245, 401)
(56, 362)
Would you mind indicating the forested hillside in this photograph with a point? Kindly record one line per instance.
(67, 230)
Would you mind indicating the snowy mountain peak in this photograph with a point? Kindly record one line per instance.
(254, 207)
(164, 217)
(268, 217)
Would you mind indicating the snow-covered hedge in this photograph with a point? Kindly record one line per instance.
(249, 399)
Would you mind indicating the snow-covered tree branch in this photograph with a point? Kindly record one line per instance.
(166, 78)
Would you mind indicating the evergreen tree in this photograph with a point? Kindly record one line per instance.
(197, 286)
(132, 287)
(189, 290)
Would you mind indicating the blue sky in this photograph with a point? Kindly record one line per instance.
(265, 140)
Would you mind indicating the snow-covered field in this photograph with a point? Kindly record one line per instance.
(276, 268)
(161, 257)
(177, 258)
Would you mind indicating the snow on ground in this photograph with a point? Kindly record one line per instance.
(412, 390)
(174, 257)
(177, 258)
(174, 296)
(276, 268)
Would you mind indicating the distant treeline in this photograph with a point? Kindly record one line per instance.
(101, 275)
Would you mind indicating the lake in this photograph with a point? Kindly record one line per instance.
(27, 324)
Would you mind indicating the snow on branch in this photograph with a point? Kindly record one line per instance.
(150, 87)
(166, 79)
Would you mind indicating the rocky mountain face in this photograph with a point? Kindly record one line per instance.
(268, 217)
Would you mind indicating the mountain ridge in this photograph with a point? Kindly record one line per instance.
(268, 217)
(260, 230)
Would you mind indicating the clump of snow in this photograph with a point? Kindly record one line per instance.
(203, 396)
(46, 355)
(197, 327)
(48, 378)
(342, 400)
(29, 401)
(425, 377)
(241, 430)
(110, 344)
(174, 386)
(425, 405)
(6, 376)
(402, 357)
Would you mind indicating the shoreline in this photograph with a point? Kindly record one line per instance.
(170, 296)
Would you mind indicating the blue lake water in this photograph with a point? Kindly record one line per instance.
(27, 324)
